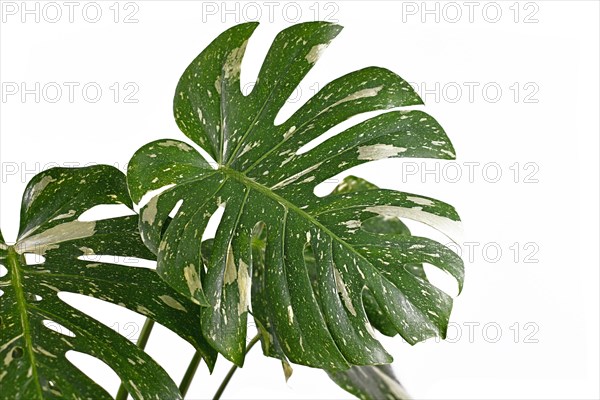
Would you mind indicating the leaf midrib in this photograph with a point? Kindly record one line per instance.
(286, 203)
(244, 180)
(14, 266)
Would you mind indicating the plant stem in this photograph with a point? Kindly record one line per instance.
(189, 374)
(234, 368)
(141, 343)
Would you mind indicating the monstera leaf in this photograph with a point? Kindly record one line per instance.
(370, 382)
(381, 225)
(365, 382)
(262, 182)
(34, 362)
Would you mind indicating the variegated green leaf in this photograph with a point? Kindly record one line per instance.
(261, 179)
(365, 382)
(370, 382)
(382, 225)
(34, 365)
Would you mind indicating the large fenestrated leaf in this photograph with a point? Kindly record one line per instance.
(365, 382)
(34, 365)
(260, 302)
(261, 179)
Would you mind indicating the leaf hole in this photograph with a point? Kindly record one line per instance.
(105, 211)
(34, 259)
(3, 270)
(256, 50)
(310, 85)
(96, 259)
(441, 279)
(175, 209)
(418, 228)
(213, 223)
(150, 195)
(325, 188)
(96, 369)
(177, 349)
(336, 130)
(58, 328)
(117, 317)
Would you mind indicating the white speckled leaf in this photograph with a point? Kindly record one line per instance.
(365, 382)
(370, 382)
(261, 179)
(34, 365)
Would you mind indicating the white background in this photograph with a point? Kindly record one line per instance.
(542, 299)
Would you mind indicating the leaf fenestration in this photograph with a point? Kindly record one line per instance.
(261, 179)
(34, 365)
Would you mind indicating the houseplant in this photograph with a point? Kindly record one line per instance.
(316, 274)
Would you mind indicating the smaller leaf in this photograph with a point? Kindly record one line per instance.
(35, 363)
(384, 226)
(370, 382)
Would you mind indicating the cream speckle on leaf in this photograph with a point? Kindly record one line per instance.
(174, 143)
(171, 302)
(267, 175)
(315, 52)
(192, 279)
(39, 316)
(51, 238)
(379, 151)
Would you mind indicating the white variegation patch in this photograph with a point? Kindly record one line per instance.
(191, 278)
(173, 143)
(420, 200)
(315, 52)
(171, 302)
(38, 188)
(68, 214)
(87, 251)
(361, 94)
(289, 133)
(295, 177)
(244, 286)
(233, 64)
(149, 212)
(230, 274)
(379, 151)
(343, 291)
(352, 224)
(143, 310)
(51, 238)
(218, 85)
(448, 152)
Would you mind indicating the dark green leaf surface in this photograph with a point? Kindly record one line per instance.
(365, 382)
(34, 365)
(370, 382)
(261, 179)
